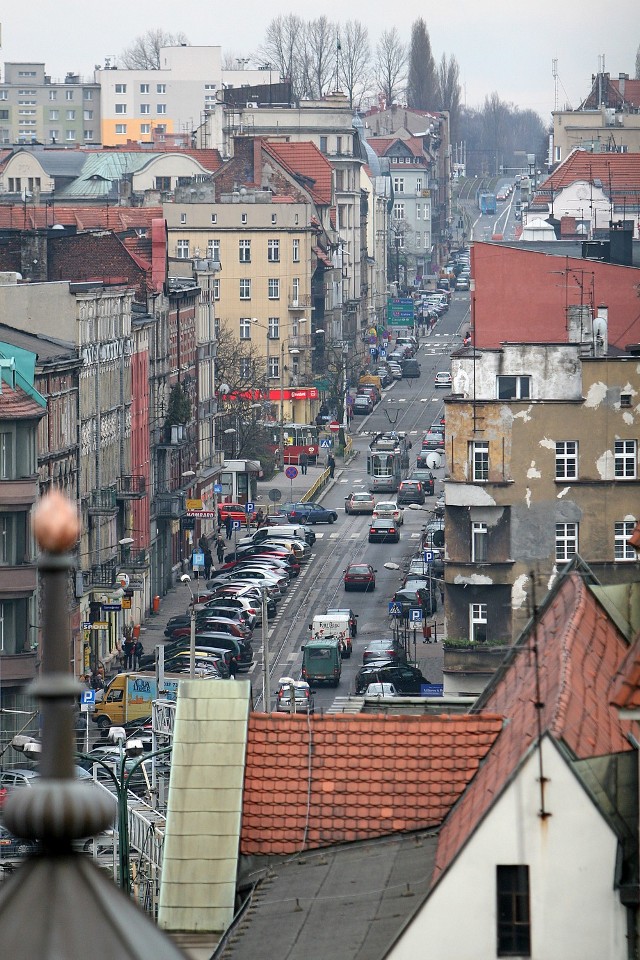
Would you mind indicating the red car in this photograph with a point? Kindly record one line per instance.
(236, 511)
(359, 576)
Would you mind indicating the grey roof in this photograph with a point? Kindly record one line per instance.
(45, 348)
(58, 163)
(101, 173)
(350, 901)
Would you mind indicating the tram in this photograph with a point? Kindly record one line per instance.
(388, 461)
(298, 438)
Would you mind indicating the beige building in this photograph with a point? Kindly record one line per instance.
(542, 455)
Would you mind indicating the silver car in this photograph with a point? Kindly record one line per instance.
(359, 503)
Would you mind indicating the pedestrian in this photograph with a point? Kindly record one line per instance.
(228, 526)
(303, 460)
(331, 463)
(97, 683)
(128, 652)
(138, 650)
(442, 594)
(259, 518)
(233, 668)
(208, 563)
(220, 548)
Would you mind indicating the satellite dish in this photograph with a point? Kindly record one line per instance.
(434, 460)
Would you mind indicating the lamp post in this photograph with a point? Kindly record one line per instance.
(231, 432)
(185, 578)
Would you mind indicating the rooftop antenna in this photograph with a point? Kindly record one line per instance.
(554, 71)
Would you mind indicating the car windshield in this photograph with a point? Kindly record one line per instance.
(360, 496)
(358, 568)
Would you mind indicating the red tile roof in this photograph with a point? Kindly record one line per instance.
(619, 174)
(305, 159)
(96, 216)
(380, 145)
(18, 405)
(579, 651)
(625, 694)
(365, 776)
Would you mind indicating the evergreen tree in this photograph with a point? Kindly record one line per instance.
(422, 81)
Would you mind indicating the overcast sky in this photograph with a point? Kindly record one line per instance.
(499, 45)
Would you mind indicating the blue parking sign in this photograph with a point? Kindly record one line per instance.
(249, 507)
(235, 524)
(88, 696)
(415, 614)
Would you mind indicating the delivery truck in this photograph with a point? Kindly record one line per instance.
(334, 626)
(129, 697)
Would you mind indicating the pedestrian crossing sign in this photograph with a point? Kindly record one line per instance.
(395, 609)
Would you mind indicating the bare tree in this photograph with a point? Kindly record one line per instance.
(144, 52)
(354, 61)
(422, 80)
(495, 116)
(283, 47)
(638, 63)
(449, 92)
(390, 65)
(321, 40)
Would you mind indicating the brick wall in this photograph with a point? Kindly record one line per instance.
(95, 256)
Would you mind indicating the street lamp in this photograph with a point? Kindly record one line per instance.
(231, 432)
(185, 578)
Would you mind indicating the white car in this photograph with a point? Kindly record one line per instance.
(389, 510)
(381, 690)
(442, 379)
(395, 370)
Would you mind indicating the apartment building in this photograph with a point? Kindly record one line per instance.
(607, 121)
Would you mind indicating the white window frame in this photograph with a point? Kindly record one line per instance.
(245, 328)
(121, 108)
(161, 109)
(273, 368)
(161, 88)
(182, 249)
(145, 128)
(144, 88)
(216, 288)
(566, 541)
(273, 251)
(273, 331)
(625, 455)
(478, 622)
(120, 88)
(398, 184)
(245, 288)
(273, 288)
(566, 459)
(622, 551)
(479, 457)
(398, 211)
(522, 386)
(244, 251)
(479, 535)
(121, 128)
(213, 250)
(296, 250)
(145, 109)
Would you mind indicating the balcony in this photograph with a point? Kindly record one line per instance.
(169, 506)
(134, 560)
(17, 580)
(19, 492)
(303, 341)
(102, 502)
(17, 668)
(103, 574)
(300, 301)
(174, 436)
(131, 488)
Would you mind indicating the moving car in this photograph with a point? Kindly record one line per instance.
(411, 491)
(362, 405)
(425, 477)
(359, 576)
(389, 510)
(411, 369)
(359, 503)
(384, 531)
(309, 513)
(294, 696)
(406, 679)
(387, 649)
(341, 611)
(463, 283)
(442, 379)
(433, 441)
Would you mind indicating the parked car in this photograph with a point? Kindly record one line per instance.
(362, 405)
(237, 512)
(310, 513)
(406, 679)
(389, 510)
(359, 576)
(424, 476)
(380, 689)
(395, 369)
(442, 379)
(359, 503)
(385, 376)
(386, 649)
(463, 283)
(294, 696)
(384, 531)
(411, 491)
(13, 847)
(415, 593)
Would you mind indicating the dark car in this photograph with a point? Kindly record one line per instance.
(410, 368)
(360, 576)
(309, 513)
(433, 440)
(362, 405)
(411, 491)
(12, 847)
(424, 476)
(406, 679)
(384, 531)
(243, 651)
(353, 617)
(388, 649)
(385, 376)
(415, 593)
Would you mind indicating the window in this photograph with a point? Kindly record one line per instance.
(338, 144)
(621, 549)
(625, 459)
(144, 88)
(245, 328)
(273, 368)
(88, 115)
(418, 239)
(183, 218)
(145, 128)
(244, 251)
(121, 88)
(243, 219)
(213, 250)
(121, 128)
(398, 184)
(54, 114)
(625, 399)
(245, 289)
(566, 540)
(68, 94)
(88, 94)
(161, 108)
(216, 289)
(478, 622)
(274, 219)
(274, 289)
(479, 456)
(273, 251)
(71, 114)
(71, 135)
(182, 248)
(88, 134)
(295, 291)
(478, 542)
(161, 88)
(514, 388)
(274, 328)
(418, 184)
(6, 456)
(426, 211)
(398, 211)
(214, 218)
(339, 179)
(53, 95)
(323, 144)
(4, 538)
(54, 135)
(163, 183)
(296, 251)
(566, 460)
(513, 911)
(557, 154)
(418, 209)
(145, 108)
(15, 184)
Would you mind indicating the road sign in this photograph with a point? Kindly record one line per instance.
(427, 556)
(382, 354)
(249, 507)
(291, 473)
(197, 560)
(415, 614)
(373, 350)
(88, 696)
(122, 580)
(275, 495)
(431, 689)
(235, 524)
(217, 488)
(326, 442)
(110, 606)
(395, 609)
(334, 426)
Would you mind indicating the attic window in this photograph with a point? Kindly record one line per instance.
(274, 218)
(214, 218)
(625, 399)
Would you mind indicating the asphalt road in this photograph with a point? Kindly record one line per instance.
(410, 405)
